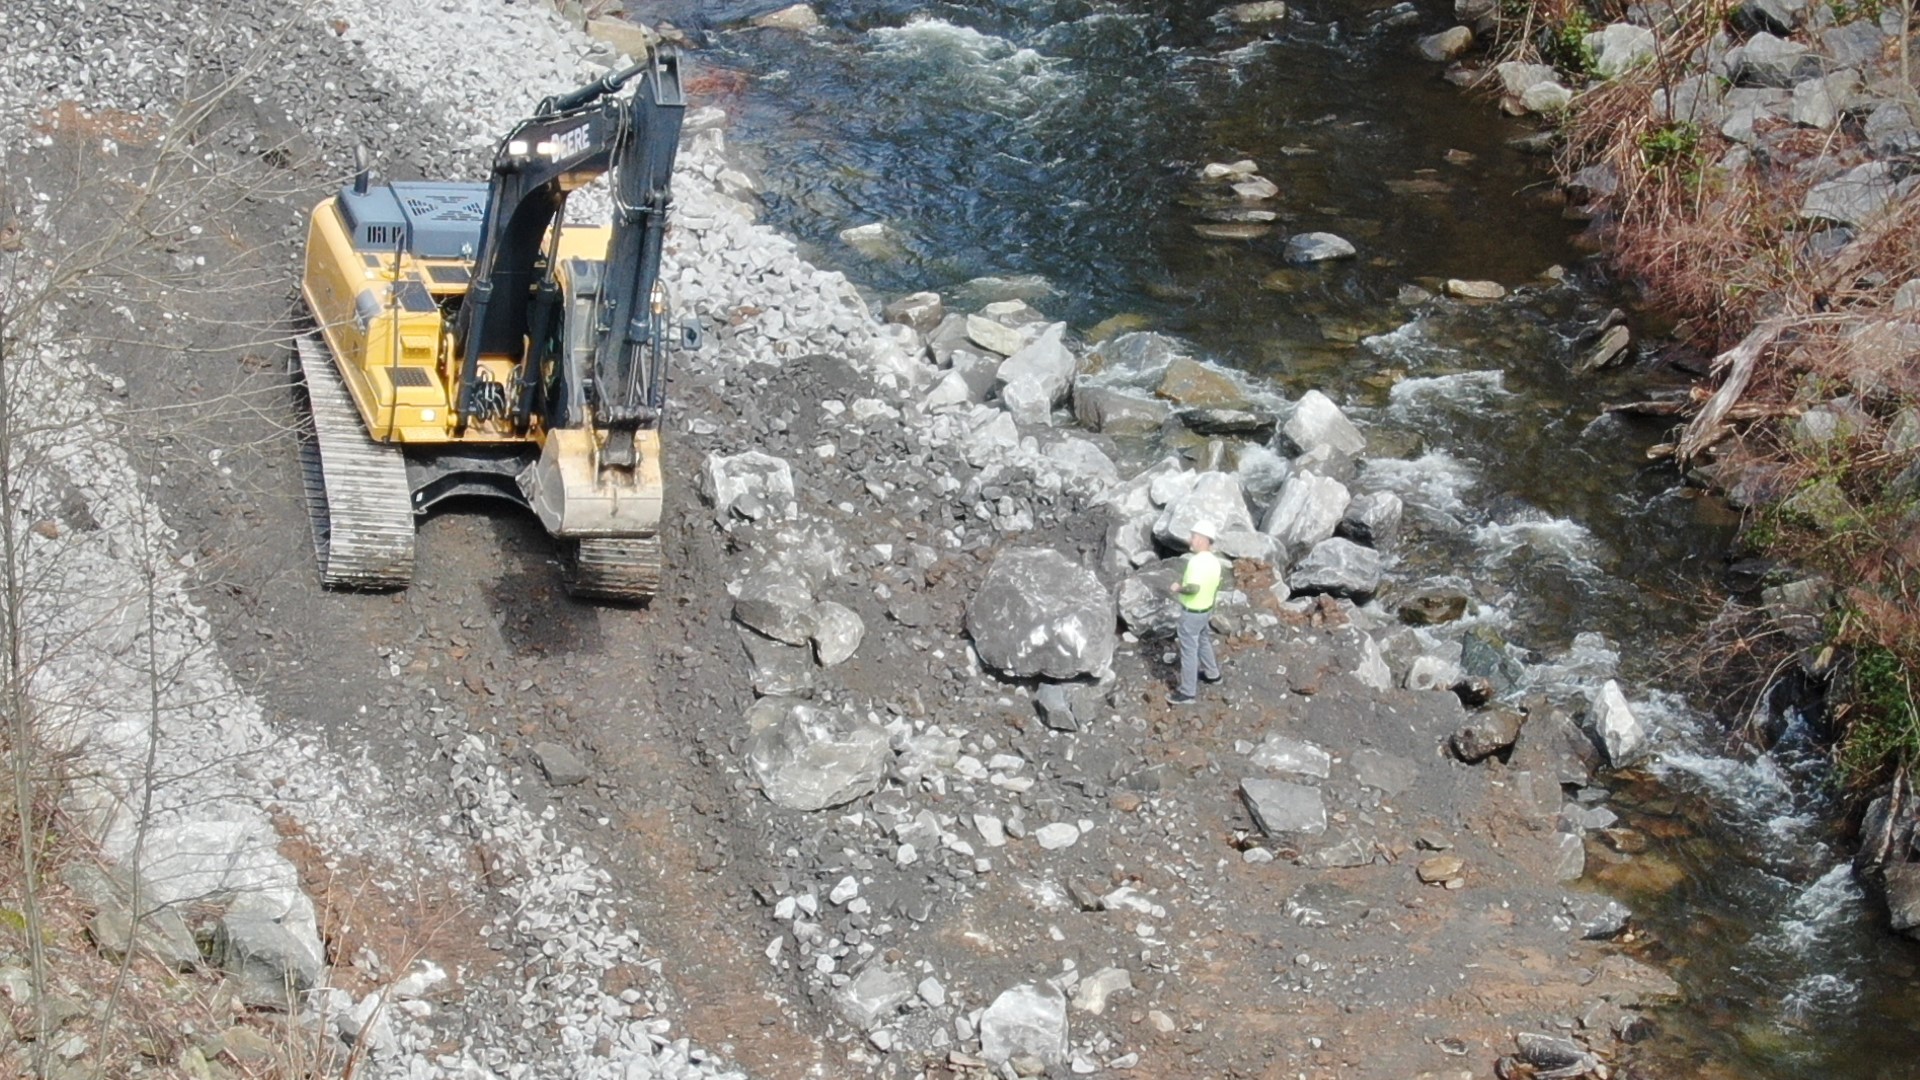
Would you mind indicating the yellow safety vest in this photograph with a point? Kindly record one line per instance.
(1203, 570)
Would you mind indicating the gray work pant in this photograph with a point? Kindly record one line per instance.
(1196, 650)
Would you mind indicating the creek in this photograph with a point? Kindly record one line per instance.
(1055, 147)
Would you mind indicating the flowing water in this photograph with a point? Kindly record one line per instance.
(1055, 148)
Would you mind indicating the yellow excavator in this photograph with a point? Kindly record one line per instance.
(470, 342)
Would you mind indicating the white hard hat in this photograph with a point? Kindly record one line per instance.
(1204, 528)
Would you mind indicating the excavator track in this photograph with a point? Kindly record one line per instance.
(358, 498)
(626, 569)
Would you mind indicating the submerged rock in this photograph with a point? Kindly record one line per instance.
(1318, 247)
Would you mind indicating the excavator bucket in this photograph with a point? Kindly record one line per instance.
(575, 498)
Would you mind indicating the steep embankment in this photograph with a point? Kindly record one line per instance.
(812, 806)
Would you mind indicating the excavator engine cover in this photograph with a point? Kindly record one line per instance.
(575, 497)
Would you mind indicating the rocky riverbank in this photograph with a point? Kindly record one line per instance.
(883, 782)
(1752, 169)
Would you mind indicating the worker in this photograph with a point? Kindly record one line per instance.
(1197, 589)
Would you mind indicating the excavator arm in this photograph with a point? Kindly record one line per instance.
(512, 302)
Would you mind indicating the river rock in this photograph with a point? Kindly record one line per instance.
(1139, 357)
(793, 17)
(1517, 78)
(1619, 730)
(1193, 384)
(1242, 422)
(1487, 733)
(1215, 498)
(1620, 47)
(1316, 247)
(1045, 361)
(1903, 898)
(1284, 754)
(1262, 11)
(1609, 350)
(1308, 510)
(812, 759)
(1040, 613)
(1116, 411)
(751, 485)
(1432, 607)
(1029, 1020)
(994, 336)
(1317, 422)
(872, 997)
(1341, 568)
(875, 240)
(1372, 519)
(924, 311)
(1855, 198)
(1547, 97)
(1475, 290)
(1279, 806)
(1446, 45)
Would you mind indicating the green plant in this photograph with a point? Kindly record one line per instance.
(1565, 46)
(1883, 722)
(1676, 145)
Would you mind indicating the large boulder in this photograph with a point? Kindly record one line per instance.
(1341, 568)
(1215, 498)
(811, 759)
(1766, 60)
(1117, 411)
(1308, 511)
(1029, 1020)
(1619, 730)
(1040, 613)
(1855, 197)
(270, 963)
(1317, 421)
(1372, 519)
(1619, 47)
(1192, 384)
(1045, 362)
(752, 485)
(1146, 603)
(776, 602)
(1903, 898)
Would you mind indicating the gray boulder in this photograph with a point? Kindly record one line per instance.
(1236, 544)
(752, 485)
(271, 965)
(114, 928)
(1316, 247)
(1128, 543)
(1818, 103)
(1029, 402)
(1619, 730)
(560, 765)
(1486, 733)
(1081, 460)
(1856, 197)
(1145, 600)
(1214, 498)
(1029, 1020)
(775, 668)
(1282, 807)
(1517, 78)
(1262, 473)
(1316, 421)
(1890, 130)
(1341, 568)
(776, 602)
(811, 759)
(1903, 898)
(1446, 45)
(923, 311)
(1769, 16)
(1116, 411)
(1283, 754)
(1372, 519)
(837, 632)
(1766, 60)
(1308, 511)
(1139, 358)
(1619, 47)
(1044, 362)
(994, 336)
(871, 998)
(1040, 613)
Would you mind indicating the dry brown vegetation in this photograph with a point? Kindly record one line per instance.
(1796, 320)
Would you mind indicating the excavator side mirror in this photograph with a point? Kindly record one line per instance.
(690, 336)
